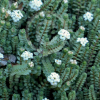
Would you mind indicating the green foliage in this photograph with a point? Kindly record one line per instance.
(20, 69)
(73, 75)
(63, 96)
(37, 32)
(72, 95)
(92, 93)
(47, 67)
(53, 46)
(94, 77)
(65, 74)
(81, 81)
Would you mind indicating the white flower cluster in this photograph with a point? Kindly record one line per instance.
(16, 15)
(1, 55)
(42, 14)
(64, 34)
(53, 78)
(9, 12)
(3, 10)
(58, 61)
(31, 64)
(35, 4)
(88, 16)
(2, 22)
(82, 28)
(70, 52)
(45, 99)
(26, 55)
(15, 4)
(73, 61)
(65, 1)
(83, 41)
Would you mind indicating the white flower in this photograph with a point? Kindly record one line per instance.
(16, 4)
(45, 99)
(9, 12)
(50, 78)
(65, 1)
(55, 74)
(70, 52)
(62, 37)
(82, 28)
(58, 61)
(53, 78)
(26, 55)
(83, 41)
(68, 83)
(53, 83)
(2, 22)
(35, 4)
(73, 61)
(88, 16)
(16, 15)
(3, 10)
(1, 55)
(64, 34)
(42, 14)
(31, 64)
(65, 49)
(78, 39)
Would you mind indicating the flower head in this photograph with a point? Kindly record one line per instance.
(73, 61)
(82, 28)
(88, 16)
(16, 15)
(35, 4)
(58, 61)
(53, 83)
(26, 55)
(16, 4)
(78, 39)
(2, 22)
(9, 12)
(64, 34)
(70, 52)
(31, 64)
(1, 55)
(65, 1)
(45, 99)
(42, 14)
(53, 78)
(83, 41)
(3, 10)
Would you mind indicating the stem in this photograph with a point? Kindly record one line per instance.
(77, 52)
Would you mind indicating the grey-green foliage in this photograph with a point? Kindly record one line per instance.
(20, 69)
(16, 97)
(92, 93)
(47, 67)
(38, 34)
(63, 96)
(53, 46)
(72, 95)
(81, 81)
(65, 74)
(73, 75)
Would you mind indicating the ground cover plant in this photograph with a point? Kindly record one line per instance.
(49, 49)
